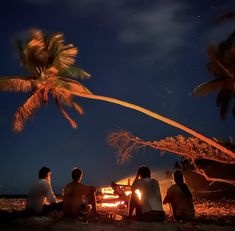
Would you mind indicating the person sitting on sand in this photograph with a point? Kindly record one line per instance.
(180, 198)
(77, 196)
(41, 198)
(149, 206)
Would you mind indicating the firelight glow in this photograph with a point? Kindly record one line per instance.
(138, 193)
(112, 204)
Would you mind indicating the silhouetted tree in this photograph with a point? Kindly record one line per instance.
(222, 66)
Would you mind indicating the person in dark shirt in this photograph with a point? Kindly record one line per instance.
(180, 198)
(78, 196)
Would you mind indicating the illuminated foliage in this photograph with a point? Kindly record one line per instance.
(50, 63)
(190, 148)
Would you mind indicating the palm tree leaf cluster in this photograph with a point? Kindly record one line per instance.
(51, 66)
(222, 66)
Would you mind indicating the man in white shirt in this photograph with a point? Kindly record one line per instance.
(41, 198)
(146, 197)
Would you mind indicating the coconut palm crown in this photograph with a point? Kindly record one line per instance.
(222, 66)
(50, 63)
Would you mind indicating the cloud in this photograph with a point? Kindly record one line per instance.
(157, 28)
(153, 26)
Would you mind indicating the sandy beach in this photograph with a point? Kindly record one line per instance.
(210, 215)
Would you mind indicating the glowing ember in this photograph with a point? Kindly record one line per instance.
(128, 193)
(107, 190)
(110, 196)
(113, 204)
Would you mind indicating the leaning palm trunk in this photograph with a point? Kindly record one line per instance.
(158, 117)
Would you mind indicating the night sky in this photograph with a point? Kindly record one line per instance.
(148, 52)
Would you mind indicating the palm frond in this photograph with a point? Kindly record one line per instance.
(42, 52)
(76, 87)
(65, 57)
(213, 67)
(54, 42)
(46, 91)
(33, 52)
(208, 87)
(66, 115)
(223, 101)
(15, 84)
(78, 108)
(67, 80)
(36, 52)
(74, 72)
(226, 45)
(217, 70)
(37, 34)
(66, 98)
(27, 110)
(58, 83)
(35, 56)
(63, 96)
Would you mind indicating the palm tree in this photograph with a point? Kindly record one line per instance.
(222, 66)
(51, 64)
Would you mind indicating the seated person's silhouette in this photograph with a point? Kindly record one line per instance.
(149, 206)
(78, 196)
(41, 198)
(180, 198)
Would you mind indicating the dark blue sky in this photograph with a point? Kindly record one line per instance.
(150, 53)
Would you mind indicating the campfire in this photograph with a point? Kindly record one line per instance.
(115, 195)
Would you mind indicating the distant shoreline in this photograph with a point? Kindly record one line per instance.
(11, 196)
(18, 196)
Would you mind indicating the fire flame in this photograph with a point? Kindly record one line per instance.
(110, 196)
(110, 199)
(107, 190)
(113, 204)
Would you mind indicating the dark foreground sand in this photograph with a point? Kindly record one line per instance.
(50, 224)
(210, 216)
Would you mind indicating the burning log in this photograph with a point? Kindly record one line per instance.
(114, 196)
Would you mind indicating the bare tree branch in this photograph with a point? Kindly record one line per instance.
(212, 179)
(190, 148)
